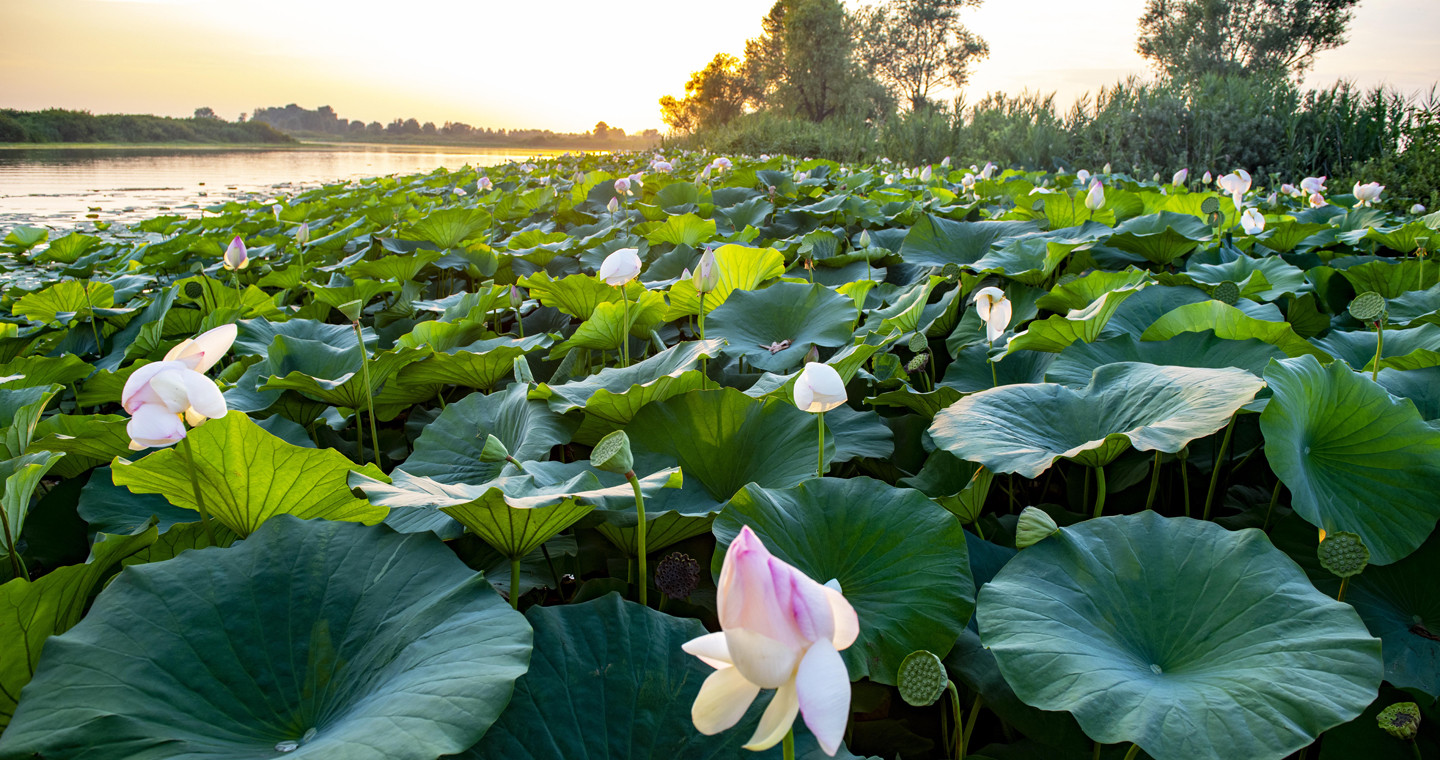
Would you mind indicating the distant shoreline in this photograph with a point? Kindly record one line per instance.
(319, 145)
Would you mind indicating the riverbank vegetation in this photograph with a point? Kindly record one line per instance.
(59, 125)
(324, 124)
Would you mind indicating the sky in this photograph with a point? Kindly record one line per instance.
(549, 64)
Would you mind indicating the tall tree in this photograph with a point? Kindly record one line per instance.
(804, 61)
(714, 95)
(1185, 39)
(915, 46)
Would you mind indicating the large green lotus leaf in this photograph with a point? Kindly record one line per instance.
(577, 294)
(64, 301)
(448, 227)
(1284, 236)
(752, 322)
(606, 328)
(1232, 324)
(1160, 238)
(398, 268)
(359, 290)
(685, 229)
(724, 439)
(449, 448)
(87, 441)
(109, 508)
(350, 389)
(479, 365)
(347, 641)
(1185, 638)
(288, 356)
(1178, 635)
(936, 241)
(671, 363)
(1025, 428)
(1077, 363)
(609, 681)
(1279, 277)
(248, 476)
(33, 371)
(1029, 260)
(20, 411)
(32, 612)
(1354, 458)
(256, 336)
(1056, 332)
(740, 268)
(19, 477)
(1082, 291)
(1411, 348)
(900, 558)
(519, 511)
(1391, 278)
(1421, 386)
(906, 308)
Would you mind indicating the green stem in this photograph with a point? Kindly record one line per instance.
(195, 487)
(1099, 491)
(15, 563)
(1340, 595)
(820, 468)
(1415, 748)
(702, 316)
(514, 583)
(788, 748)
(359, 438)
(302, 262)
(1185, 485)
(994, 379)
(1274, 499)
(955, 707)
(1379, 344)
(518, 324)
(625, 331)
(1131, 753)
(1154, 482)
(1215, 471)
(639, 533)
(369, 395)
(93, 327)
(969, 725)
(518, 466)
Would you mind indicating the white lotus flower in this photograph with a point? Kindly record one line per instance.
(1417, 209)
(819, 389)
(1096, 197)
(1367, 194)
(1252, 221)
(621, 266)
(995, 311)
(1313, 185)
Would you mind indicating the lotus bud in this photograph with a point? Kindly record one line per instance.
(1272, 199)
(677, 575)
(236, 257)
(1155, 177)
(1106, 170)
(1343, 554)
(517, 297)
(945, 162)
(707, 273)
(988, 171)
(1288, 189)
(813, 355)
(302, 233)
(351, 309)
(1180, 177)
(1206, 179)
(276, 209)
(1417, 209)
(612, 454)
(1033, 527)
(925, 174)
(613, 206)
(1096, 197)
(494, 450)
(621, 266)
(1401, 720)
(1082, 176)
(459, 192)
(921, 679)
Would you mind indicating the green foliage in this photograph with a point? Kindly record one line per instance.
(57, 125)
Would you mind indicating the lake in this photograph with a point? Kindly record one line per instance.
(73, 187)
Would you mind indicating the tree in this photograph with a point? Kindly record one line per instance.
(913, 46)
(713, 96)
(804, 61)
(205, 112)
(1186, 39)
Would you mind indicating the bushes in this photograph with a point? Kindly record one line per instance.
(57, 125)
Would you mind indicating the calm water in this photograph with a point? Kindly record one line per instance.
(75, 187)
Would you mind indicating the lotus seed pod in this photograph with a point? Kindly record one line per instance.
(917, 363)
(351, 310)
(1226, 292)
(1401, 720)
(677, 575)
(921, 678)
(612, 454)
(193, 289)
(1368, 306)
(494, 450)
(950, 271)
(1209, 206)
(1034, 526)
(918, 343)
(1343, 554)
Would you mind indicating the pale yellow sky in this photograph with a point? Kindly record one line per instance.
(558, 64)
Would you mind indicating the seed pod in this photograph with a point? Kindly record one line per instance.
(1368, 306)
(918, 342)
(1209, 206)
(494, 450)
(1343, 554)
(677, 575)
(1401, 720)
(612, 454)
(921, 678)
(1226, 292)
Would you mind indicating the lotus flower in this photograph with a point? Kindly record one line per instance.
(1236, 183)
(1317, 200)
(622, 186)
(1082, 176)
(1417, 209)
(707, 275)
(1253, 221)
(819, 389)
(1180, 177)
(1367, 194)
(721, 164)
(1291, 190)
(157, 395)
(236, 257)
(1313, 185)
(661, 166)
(484, 184)
(1096, 197)
(988, 171)
(968, 181)
(1206, 179)
(945, 162)
(994, 310)
(621, 267)
(925, 174)
(779, 630)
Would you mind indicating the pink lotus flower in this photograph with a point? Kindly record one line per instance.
(158, 395)
(721, 164)
(779, 630)
(1313, 185)
(236, 257)
(622, 186)
(1317, 200)
(484, 184)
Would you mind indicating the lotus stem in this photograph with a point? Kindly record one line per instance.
(969, 726)
(515, 583)
(15, 563)
(1099, 491)
(625, 330)
(369, 397)
(1215, 470)
(1154, 482)
(1132, 752)
(1340, 595)
(994, 379)
(94, 328)
(1379, 344)
(639, 534)
(702, 316)
(519, 325)
(302, 259)
(820, 468)
(518, 466)
(788, 748)
(1185, 485)
(195, 487)
(959, 726)
(1274, 499)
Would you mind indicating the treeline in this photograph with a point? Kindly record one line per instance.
(58, 125)
(324, 123)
